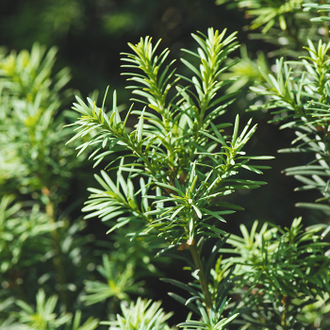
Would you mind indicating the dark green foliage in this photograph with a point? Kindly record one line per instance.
(283, 270)
(181, 161)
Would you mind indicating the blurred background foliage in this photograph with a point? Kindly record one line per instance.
(89, 36)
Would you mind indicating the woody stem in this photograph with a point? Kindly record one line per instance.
(202, 278)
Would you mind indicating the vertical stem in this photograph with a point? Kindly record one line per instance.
(58, 259)
(202, 279)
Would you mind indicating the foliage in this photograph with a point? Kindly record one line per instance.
(284, 270)
(182, 161)
(282, 23)
(117, 283)
(31, 100)
(40, 245)
(143, 314)
(299, 93)
(45, 318)
(180, 166)
(175, 167)
(268, 13)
